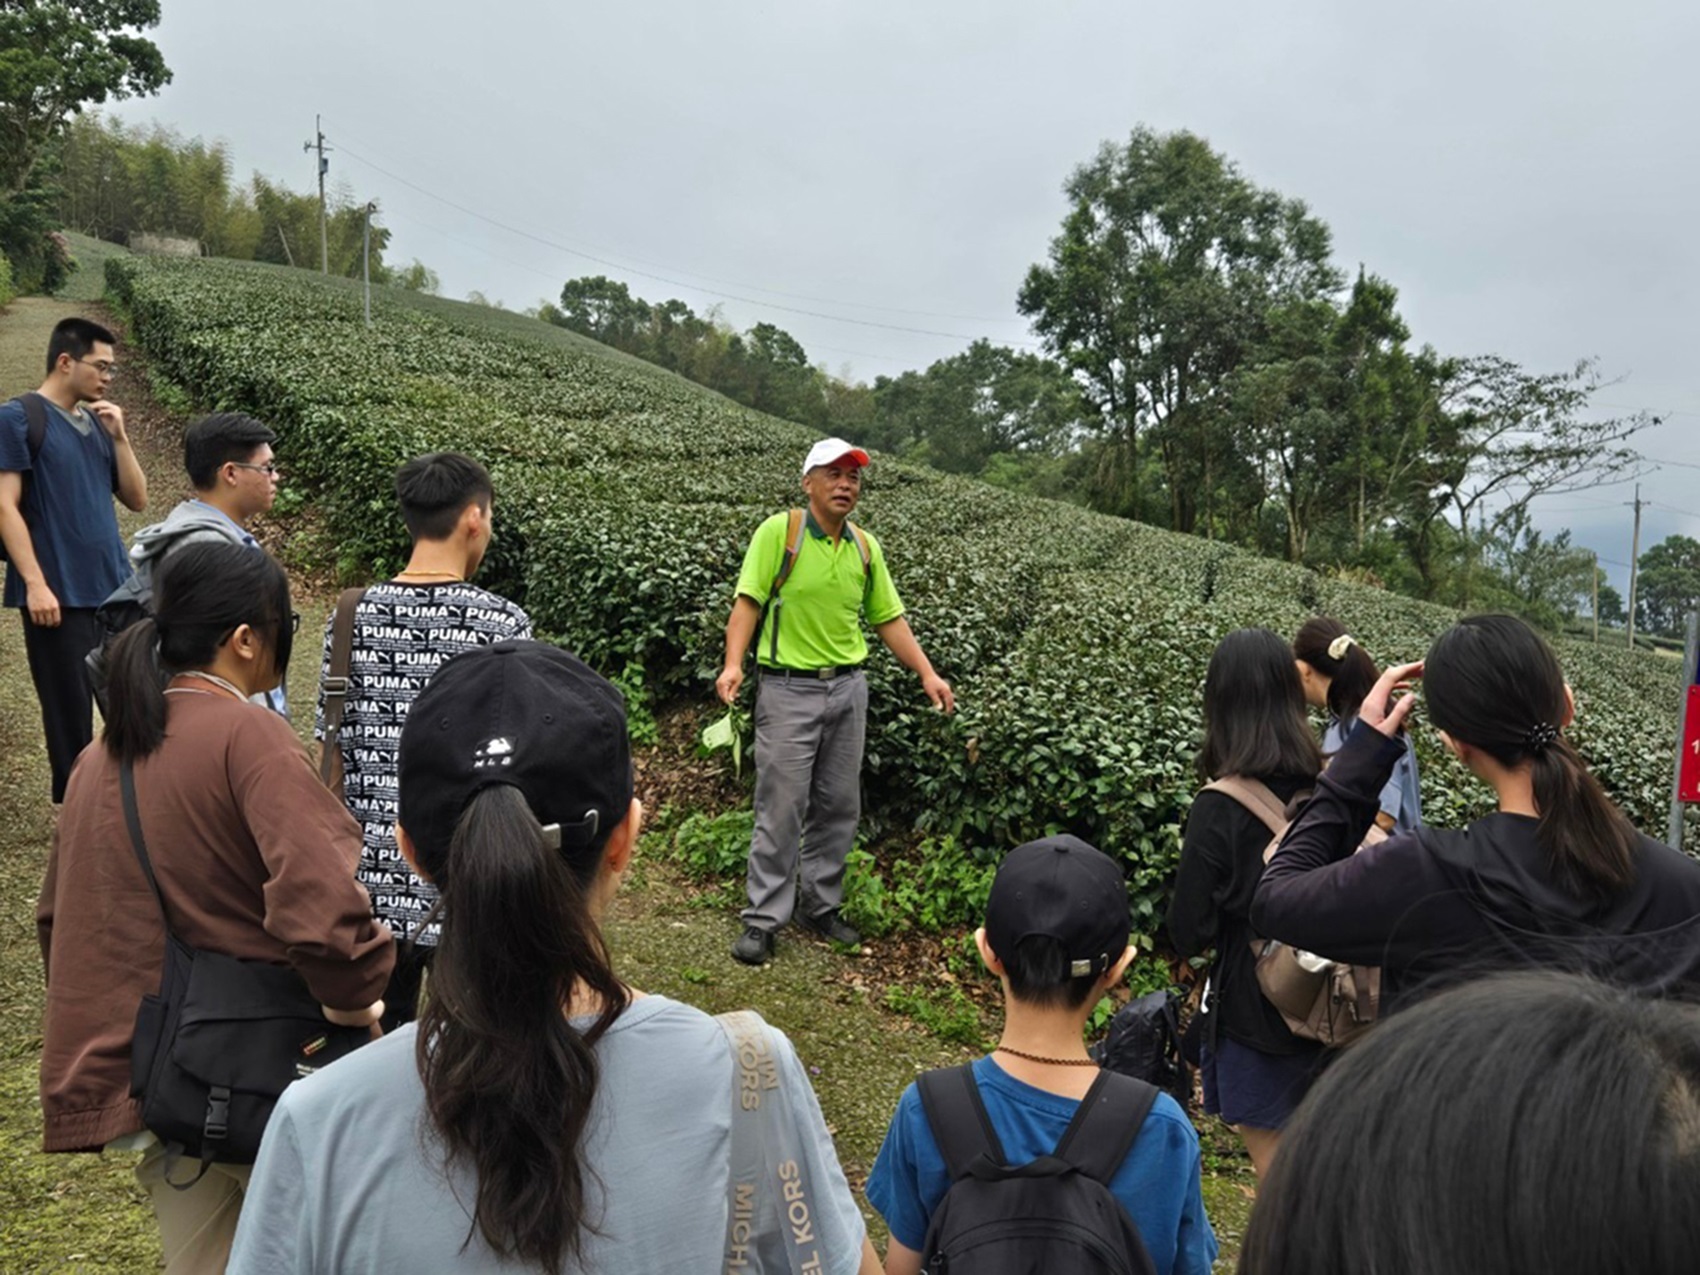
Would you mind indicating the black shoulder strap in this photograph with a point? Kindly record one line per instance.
(957, 1116)
(133, 821)
(35, 417)
(1097, 1140)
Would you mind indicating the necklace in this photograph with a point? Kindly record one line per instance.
(1055, 1062)
(216, 680)
(441, 575)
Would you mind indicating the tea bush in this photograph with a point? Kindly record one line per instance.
(1076, 643)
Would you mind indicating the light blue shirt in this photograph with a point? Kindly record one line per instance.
(1401, 797)
(351, 1178)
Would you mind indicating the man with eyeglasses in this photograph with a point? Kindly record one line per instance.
(230, 464)
(64, 454)
(811, 707)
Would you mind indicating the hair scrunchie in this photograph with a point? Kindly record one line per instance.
(1339, 646)
(1539, 738)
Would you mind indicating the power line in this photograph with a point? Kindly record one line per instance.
(414, 223)
(671, 282)
(756, 287)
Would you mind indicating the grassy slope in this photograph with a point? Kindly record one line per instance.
(80, 1212)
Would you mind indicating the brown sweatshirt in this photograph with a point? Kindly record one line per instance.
(255, 859)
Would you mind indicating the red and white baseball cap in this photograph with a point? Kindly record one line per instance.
(829, 451)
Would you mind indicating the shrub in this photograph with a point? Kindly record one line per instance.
(1076, 643)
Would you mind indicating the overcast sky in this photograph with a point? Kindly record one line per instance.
(1524, 173)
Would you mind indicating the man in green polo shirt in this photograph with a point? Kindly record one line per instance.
(812, 708)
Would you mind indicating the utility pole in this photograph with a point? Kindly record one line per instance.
(1634, 565)
(318, 144)
(366, 259)
(1596, 597)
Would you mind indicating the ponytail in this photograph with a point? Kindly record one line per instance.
(1589, 841)
(135, 694)
(1491, 682)
(1323, 643)
(509, 1081)
(202, 594)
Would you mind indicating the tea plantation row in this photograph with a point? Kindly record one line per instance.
(1076, 643)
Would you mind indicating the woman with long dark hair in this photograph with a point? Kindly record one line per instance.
(1525, 1124)
(1336, 673)
(1556, 877)
(542, 1114)
(1255, 1069)
(254, 859)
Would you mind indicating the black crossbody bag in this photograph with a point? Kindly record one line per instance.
(221, 1040)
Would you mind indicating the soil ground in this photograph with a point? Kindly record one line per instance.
(82, 1212)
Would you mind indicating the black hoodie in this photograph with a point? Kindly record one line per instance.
(1435, 907)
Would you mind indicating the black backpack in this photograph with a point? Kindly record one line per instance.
(35, 433)
(1054, 1214)
(130, 603)
(1144, 1041)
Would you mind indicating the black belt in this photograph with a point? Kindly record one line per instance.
(807, 674)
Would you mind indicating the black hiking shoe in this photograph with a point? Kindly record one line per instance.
(832, 927)
(754, 946)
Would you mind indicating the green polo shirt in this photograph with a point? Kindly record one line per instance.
(822, 598)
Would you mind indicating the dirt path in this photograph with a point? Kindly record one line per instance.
(83, 1213)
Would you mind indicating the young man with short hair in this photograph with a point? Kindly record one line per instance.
(231, 467)
(64, 552)
(1056, 936)
(230, 464)
(404, 629)
(812, 702)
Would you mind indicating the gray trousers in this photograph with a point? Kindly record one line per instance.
(809, 737)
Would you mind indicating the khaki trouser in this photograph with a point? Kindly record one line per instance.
(198, 1225)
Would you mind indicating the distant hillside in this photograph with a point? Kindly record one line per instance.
(1076, 642)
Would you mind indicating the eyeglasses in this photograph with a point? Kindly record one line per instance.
(104, 366)
(269, 468)
(295, 621)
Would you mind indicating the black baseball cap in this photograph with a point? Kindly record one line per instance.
(1066, 890)
(521, 713)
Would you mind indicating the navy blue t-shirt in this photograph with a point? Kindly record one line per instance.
(67, 505)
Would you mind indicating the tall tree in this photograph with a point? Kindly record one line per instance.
(1495, 438)
(604, 310)
(1543, 579)
(987, 401)
(1167, 266)
(1669, 586)
(58, 56)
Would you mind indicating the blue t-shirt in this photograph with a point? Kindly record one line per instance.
(1401, 796)
(67, 505)
(1158, 1183)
